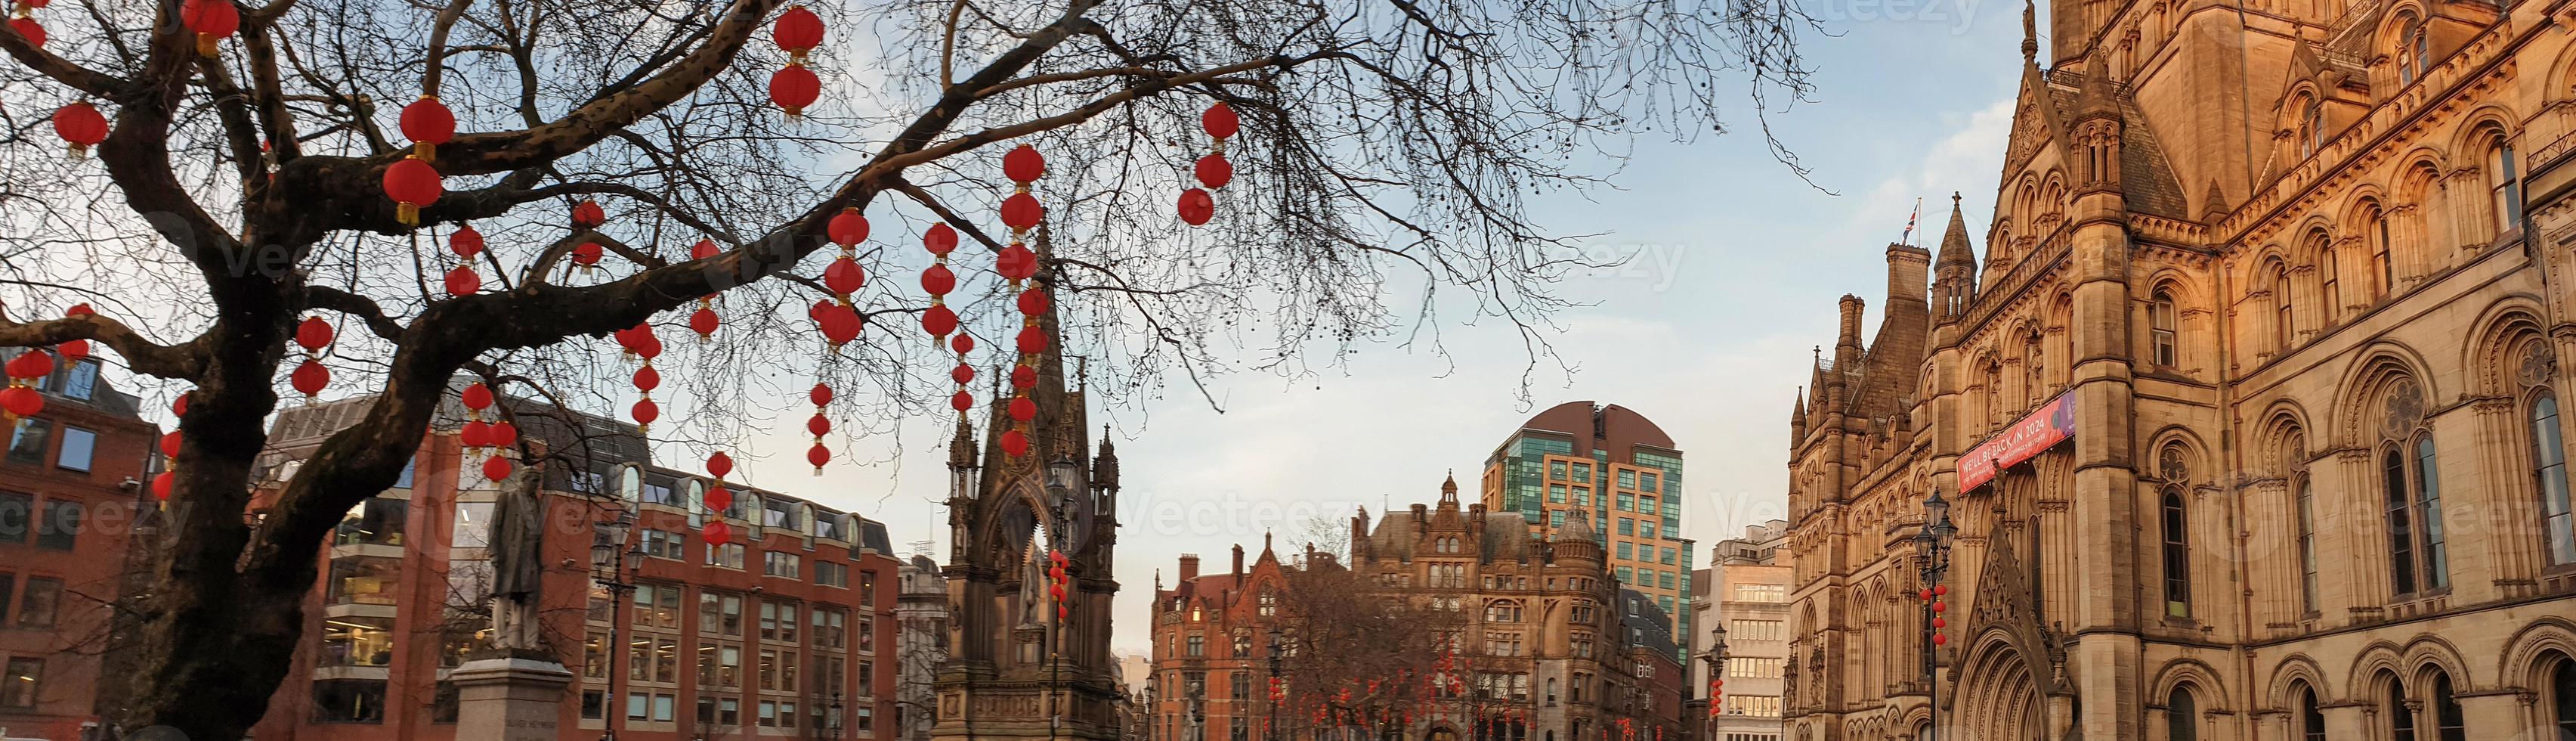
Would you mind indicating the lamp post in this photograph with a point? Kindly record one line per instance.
(1932, 551)
(1059, 486)
(1270, 727)
(1716, 658)
(615, 563)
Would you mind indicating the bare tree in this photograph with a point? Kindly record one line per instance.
(1362, 655)
(1384, 144)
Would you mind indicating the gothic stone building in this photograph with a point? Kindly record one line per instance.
(1548, 632)
(2276, 303)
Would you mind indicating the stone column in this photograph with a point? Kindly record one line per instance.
(510, 696)
(2500, 715)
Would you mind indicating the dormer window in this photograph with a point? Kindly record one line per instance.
(2414, 48)
(2312, 129)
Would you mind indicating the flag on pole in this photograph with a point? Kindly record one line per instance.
(1908, 239)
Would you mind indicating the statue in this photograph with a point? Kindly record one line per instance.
(518, 522)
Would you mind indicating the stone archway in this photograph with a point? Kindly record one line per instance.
(2006, 704)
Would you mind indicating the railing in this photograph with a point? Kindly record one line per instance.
(2051, 253)
(2551, 154)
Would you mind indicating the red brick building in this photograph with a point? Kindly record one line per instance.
(786, 632)
(1557, 649)
(70, 495)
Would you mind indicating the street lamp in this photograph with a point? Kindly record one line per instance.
(1059, 486)
(1716, 658)
(1271, 726)
(614, 563)
(1932, 551)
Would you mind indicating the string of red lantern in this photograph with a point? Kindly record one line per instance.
(413, 185)
(939, 320)
(428, 123)
(718, 500)
(1021, 212)
(310, 377)
(493, 438)
(1939, 607)
(704, 320)
(838, 317)
(820, 426)
(465, 244)
(587, 217)
(795, 87)
(20, 399)
(1213, 171)
(640, 343)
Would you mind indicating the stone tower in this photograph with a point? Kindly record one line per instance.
(1013, 670)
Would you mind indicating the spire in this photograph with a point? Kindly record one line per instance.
(1798, 409)
(1104, 467)
(1449, 489)
(1954, 241)
(1058, 429)
(961, 447)
(2095, 97)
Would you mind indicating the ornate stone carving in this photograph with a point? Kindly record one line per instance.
(2405, 411)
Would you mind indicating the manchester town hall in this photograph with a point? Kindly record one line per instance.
(2245, 419)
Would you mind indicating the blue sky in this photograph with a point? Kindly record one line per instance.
(1707, 331)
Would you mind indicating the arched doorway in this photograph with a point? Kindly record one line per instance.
(2006, 706)
(1440, 733)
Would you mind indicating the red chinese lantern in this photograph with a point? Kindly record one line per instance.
(640, 342)
(162, 484)
(309, 378)
(313, 334)
(1940, 607)
(818, 455)
(1016, 443)
(1214, 171)
(170, 444)
(840, 324)
(588, 215)
(412, 184)
(793, 88)
(496, 468)
(1023, 164)
(428, 123)
(29, 29)
(462, 281)
(1197, 207)
(703, 321)
(847, 228)
(718, 499)
(1940, 589)
(797, 32)
(80, 125)
(1021, 212)
(587, 255)
(19, 400)
(73, 350)
(821, 395)
(212, 20)
(844, 276)
(504, 434)
(1940, 622)
(1940, 639)
(477, 397)
(645, 411)
(466, 242)
(475, 434)
(718, 533)
(720, 465)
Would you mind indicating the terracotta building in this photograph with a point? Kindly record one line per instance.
(2249, 415)
(1749, 580)
(787, 632)
(1549, 631)
(71, 498)
(1614, 463)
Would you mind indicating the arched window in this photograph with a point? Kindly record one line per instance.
(2448, 723)
(2401, 541)
(2177, 556)
(2165, 327)
(2382, 272)
(2549, 475)
(2504, 183)
(2181, 716)
(2284, 321)
(2562, 684)
(2312, 720)
(2428, 506)
(2401, 720)
(2312, 128)
(2308, 545)
(2329, 288)
(2413, 47)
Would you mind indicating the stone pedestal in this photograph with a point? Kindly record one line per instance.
(510, 697)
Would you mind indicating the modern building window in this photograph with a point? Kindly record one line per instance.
(21, 684)
(362, 580)
(2177, 556)
(2182, 716)
(376, 521)
(27, 441)
(77, 379)
(2549, 477)
(60, 526)
(78, 446)
(349, 701)
(2504, 183)
(786, 565)
(657, 606)
(729, 555)
(2166, 326)
(357, 641)
(831, 574)
(39, 604)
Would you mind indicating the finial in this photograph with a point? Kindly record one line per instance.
(2030, 31)
(1954, 199)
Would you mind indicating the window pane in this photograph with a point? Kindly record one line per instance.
(78, 444)
(27, 441)
(60, 526)
(2428, 499)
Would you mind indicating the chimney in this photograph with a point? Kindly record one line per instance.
(1189, 567)
(1909, 271)
(1851, 321)
(1238, 562)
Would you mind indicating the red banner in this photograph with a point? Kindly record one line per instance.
(2043, 428)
